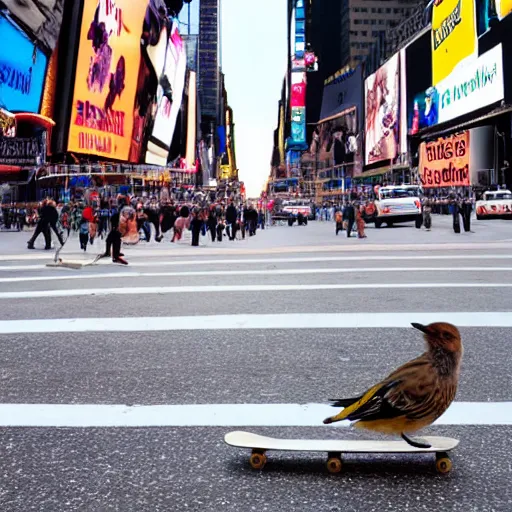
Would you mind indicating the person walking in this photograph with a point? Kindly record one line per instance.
(48, 218)
(349, 218)
(427, 214)
(339, 221)
(212, 223)
(231, 220)
(360, 223)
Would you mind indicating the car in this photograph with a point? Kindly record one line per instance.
(494, 204)
(395, 204)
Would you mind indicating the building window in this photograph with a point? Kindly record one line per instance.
(364, 9)
(364, 33)
(388, 10)
(357, 22)
(355, 9)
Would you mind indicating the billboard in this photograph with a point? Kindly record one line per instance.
(454, 36)
(175, 67)
(445, 162)
(475, 86)
(22, 70)
(107, 71)
(298, 106)
(384, 112)
(343, 94)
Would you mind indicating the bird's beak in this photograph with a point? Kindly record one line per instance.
(420, 327)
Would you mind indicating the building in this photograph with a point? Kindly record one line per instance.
(363, 22)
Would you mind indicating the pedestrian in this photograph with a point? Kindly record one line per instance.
(427, 214)
(360, 223)
(83, 233)
(113, 242)
(231, 220)
(349, 218)
(466, 209)
(212, 223)
(339, 221)
(48, 218)
(196, 224)
(455, 212)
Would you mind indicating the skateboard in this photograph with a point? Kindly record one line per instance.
(75, 265)
(335, 448)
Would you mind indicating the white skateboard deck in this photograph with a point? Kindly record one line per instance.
(254, 441)
(334, 447)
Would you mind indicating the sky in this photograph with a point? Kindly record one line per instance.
(254, 53)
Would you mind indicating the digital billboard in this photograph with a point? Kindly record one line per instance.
(384, 112)
(454, 36)
(22, 70)
(445, 162)
(475, 86)
(298, 107)
(175, 67)
(107, 71)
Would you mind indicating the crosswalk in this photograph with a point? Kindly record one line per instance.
(257, 340)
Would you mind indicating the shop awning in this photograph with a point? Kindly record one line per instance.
(37, 119)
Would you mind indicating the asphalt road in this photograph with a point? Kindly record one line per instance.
(165, 467)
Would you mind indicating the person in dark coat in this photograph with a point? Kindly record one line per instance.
(48, 218)
(465, 210)
(113, 242)
(195, 226)
(349, 216)
(212, 223)
(231, 220)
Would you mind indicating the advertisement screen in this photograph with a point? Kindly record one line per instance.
(343, 94)
(382, 100)
(22, 70)
(475, 86)
(107, 70)
(445, 162)
(503, 8)
(174, 74)
(454, 36)
(298, 106)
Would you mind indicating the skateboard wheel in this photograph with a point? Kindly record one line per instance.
(334, 465)
(258, 460)
(443, 463)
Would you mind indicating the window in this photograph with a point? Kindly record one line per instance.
(397, 11)
(364, 9)
(388, 10)
(357, 22)
(374, 22)
(355, 9)
(364, 33)
(374, 10)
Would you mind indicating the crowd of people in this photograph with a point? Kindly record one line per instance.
(129, 220)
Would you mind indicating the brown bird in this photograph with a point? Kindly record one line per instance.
(414, 395)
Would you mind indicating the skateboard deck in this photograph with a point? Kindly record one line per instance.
(76, 265)
(334, 447)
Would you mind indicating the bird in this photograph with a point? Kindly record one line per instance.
(414, 395)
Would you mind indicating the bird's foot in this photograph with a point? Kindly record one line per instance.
(418, 443)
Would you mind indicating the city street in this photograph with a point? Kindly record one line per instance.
(119, 383)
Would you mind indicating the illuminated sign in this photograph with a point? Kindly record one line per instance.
(106, 78)
(475, 86)
(22, 70)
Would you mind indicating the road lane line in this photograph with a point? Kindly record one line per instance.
(263, 261)
(169, 290)
(269, 272)
(253, 322)
(219, 415)
(335, 246)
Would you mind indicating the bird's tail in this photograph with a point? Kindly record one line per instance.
(343, 402)
(351, 405)
(346, 403)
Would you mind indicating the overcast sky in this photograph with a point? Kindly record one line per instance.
(254, 41)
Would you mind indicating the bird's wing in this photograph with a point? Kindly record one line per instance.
(408, 391)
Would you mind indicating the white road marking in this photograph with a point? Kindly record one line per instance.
(238, 250)
(229, 322)
(219, 415)
(269, 272)
(168, 290)
(264, 261)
